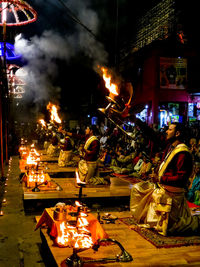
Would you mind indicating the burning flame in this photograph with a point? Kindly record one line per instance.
(42, 122)
(112, 87)
(36, 177)
(54, 112)
(78, 181)
(77, 237)
(33, 156)
(31, 161)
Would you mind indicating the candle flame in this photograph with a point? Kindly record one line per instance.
(78, 181)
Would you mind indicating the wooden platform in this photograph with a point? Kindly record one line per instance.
(117, 188)
(142, 251)
(50, 165)
(65, 178)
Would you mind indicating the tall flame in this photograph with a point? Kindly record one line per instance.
(54, 112)
(42, 122)
(112, 87)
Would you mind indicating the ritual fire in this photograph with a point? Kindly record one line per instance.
(77, 236)
(33, 158)
(34, 178)
(23, 149)
(112, 87)
(117, 109)
(54, 112)
(78, 229)
(43, 123)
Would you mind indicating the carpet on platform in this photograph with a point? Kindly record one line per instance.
(158, 240)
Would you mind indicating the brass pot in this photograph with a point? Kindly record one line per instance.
(59, 215)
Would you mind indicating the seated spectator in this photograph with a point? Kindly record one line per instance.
(124, 162)
(145, 168)
(138, 165)
(105, 157)
(197, 153)
(81, 150)
(193, 146)
(103, 140)
(195, 184)
(156, 161)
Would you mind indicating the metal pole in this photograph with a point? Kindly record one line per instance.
(1, 124)
(5, 93)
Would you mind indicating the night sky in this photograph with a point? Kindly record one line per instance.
(62, 56)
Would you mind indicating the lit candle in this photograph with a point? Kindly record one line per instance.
(4, 200)
(1, 213)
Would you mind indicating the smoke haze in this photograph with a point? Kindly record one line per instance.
(43, 52)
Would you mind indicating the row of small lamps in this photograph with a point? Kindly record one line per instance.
(4, 201)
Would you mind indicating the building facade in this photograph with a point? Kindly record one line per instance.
(162, 65)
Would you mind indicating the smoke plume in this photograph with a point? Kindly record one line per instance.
(43, 52)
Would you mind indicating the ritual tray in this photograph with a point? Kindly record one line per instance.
(53, 187)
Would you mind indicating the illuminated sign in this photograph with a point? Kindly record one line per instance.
(10, 51)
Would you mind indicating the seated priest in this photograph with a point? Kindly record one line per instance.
(53, 149)
(88, 166)
(161, 203)
(65, 156)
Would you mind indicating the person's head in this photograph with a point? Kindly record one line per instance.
(197, 167)
(175, 132)
(193, 141)
(91, 130)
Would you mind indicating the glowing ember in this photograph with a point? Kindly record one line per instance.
(113, 88)
(54, 112)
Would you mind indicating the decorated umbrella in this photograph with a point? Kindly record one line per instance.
(16, 13)
(12, 13)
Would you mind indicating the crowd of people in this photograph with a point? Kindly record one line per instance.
(136, 154)
(166, 163)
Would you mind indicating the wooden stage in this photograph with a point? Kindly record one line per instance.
(115, 194)
(142, 251)
(64, 177)
(117, 188)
